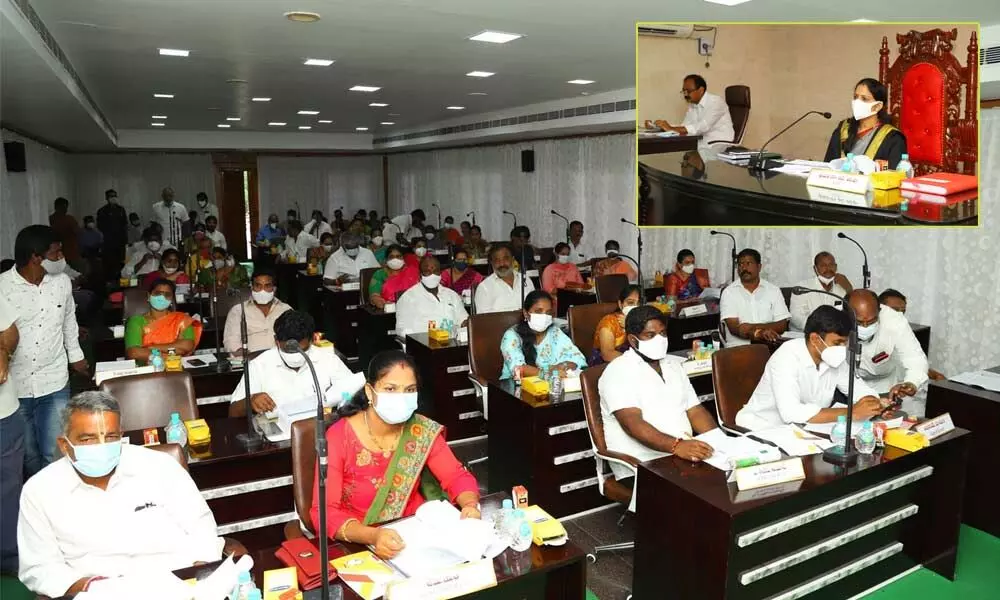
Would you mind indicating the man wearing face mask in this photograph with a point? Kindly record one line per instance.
(501, 291)
(170, 215)
(434, 240)
(428, 301)
(752, 309)
(42, 297)
(262, 310)
(206, 209)
(707, 114)
(869, 129)
(213, 233)
(113, 223)
(826, 278)
(108, 509)
(686, 283)
(270, 233)
(298, 243)
(145, 256)
(801, 376)
(581, 252)
(648, 404)
(346, 263)
(280, 377)
(892, 361)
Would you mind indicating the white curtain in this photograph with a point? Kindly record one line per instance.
(321, 182)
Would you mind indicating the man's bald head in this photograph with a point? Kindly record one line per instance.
(430, 265)
(864, 303)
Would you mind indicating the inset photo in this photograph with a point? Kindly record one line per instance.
(807, 124)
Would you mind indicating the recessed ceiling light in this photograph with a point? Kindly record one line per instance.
(863, 21)
(378, 104)
(232, 118)
(173, 52)
(479, 74)
(477, 93)
(277, 124)
(223, 125)
(158, 124)
(261, 99)
(387, 123)
(305, 127)
(495, 37)
(360, 129)
(325, 121)
(237, 81)
(301, 16)
(163, 95)
(318, 62)
(727, 2)
(455, 107)
(308, 112)
(580, 81)
(364, 88)
(159, 117)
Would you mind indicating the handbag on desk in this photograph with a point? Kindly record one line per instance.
(304, 556)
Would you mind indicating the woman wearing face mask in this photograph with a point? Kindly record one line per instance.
(389, 282)
(459, 277)
(170, 269)
(419, 247)
(562, 274)
(386, 461)
(685, 283)
(869, 129)
(609, 337)
(161, 328)
(327, 246)
(224, 272)
(614, 264)
(535, 346)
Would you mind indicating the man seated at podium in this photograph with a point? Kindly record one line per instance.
(869, 129)
(707, 114)
(428, 301)
(161, 328)
(686, 282)
(752, 309)
(892, 361)
(262, 310)
(826, 278)
(280, 377)
(801, 376)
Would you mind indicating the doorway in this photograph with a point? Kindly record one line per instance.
(236, 189)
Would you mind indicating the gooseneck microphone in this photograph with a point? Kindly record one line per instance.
(472, 214)
(757, 163)
(732, 253)
(564, 219)
(507, 212)
(251, 439)
(866, 274)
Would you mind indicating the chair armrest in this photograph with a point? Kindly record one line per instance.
(481, 386)
(619, 457)
(233, 548)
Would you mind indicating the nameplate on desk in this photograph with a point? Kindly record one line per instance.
(757, 476)
(560, 429)
(697, 367)
(480, 261)
(391, 332)
(352, 306)
(575, 456)
(458, 369)
(350, 286)
(470, 415)
(838, 180)
(698, 334)
(465, 392)
(936, 427)
(532, 273)
(113, 374)
(694, 310)
(442, 585)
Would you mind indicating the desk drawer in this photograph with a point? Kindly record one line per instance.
(569, 497)
(252, 504)
(551, 446)
(569, 411)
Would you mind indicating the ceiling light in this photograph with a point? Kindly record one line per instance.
(378, 104)
(495, 37)
(364, 88)
(318, 62)
(308, 112)
(305, 127)
(455, 107)
(232, 118)
(325, 121)
(863, 21)
(727, 2)
(387, 123)
(360, 129)
(159, 117)
(277, 124)
(301, 16)
(479, 74)
(580, 81)
(477, 93)
(158, 124)
(172, 52)
(163, 95)
(261, 99)
(223, 125)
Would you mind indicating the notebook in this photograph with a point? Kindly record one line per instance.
(941, 184)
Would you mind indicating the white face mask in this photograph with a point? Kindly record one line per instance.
(377, 240)
(563, 259)
(219, 263)
(169, 270)
(867, 332)
(862, 109)
(91, 225)
(328, 247)
(394, 407)
(834, 356)
(153, 246)
(825, 280)
(421, 251)
(262, 297)
(352, 252)
(202, 202)
(626, 310)
(54, 267)
(395, 263)
(654, 349)
(539, 322)
(430, 281)
(230, 262)
(294, 360)
(612, 253)
(688, 269)
(429, 236)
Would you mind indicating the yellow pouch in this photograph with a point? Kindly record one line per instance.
(908, 440)
(277, 582)
(544, 528)
(887, 180)
(198, 432)
(536, 386)
(438, 335)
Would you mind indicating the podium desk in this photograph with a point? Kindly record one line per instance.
(837, 533)
(376, 332)
(308, 294)
(446, 393)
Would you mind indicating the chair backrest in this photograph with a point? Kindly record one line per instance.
(148, 399)
(229, 298)
(609, 286)
(738, 100)
(303, 468)
(173, 450)
(736, 371)
(611, 488)
(366, 279)
(547, 257)
(485, 332)
(134, 302)
(786, 293)
(583, 319)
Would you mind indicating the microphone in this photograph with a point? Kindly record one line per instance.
(222, 363)
(866, 274)
(564, 219)
(507, 212)
(292, 347)
(733, 254)
(251, 439)
(757, 163)
(472, 214)
(434, 204)
(638, 260)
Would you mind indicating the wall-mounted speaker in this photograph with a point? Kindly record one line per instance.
(527, 161)
(13, 154)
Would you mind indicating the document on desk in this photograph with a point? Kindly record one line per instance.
(827, 428)
(710, 293)
(729, 451)
(793, 335)
(794, 440)
(987, 380)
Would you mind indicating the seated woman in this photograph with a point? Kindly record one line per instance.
(535, 345)
(385, 460)
(170, 269)
(609, 337)
(685, 283)
(389, 282)
(459, 277)
(193, 241)
(614, 264)
(562, 273)
(225, 274)
(327, 246)
(200, 259)
(869, 129)
(161, 328)
(419, 247)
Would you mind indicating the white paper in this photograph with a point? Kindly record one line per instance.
(984, 379)
(794, 440)
(154, 585)
(710, 292)
(118, 331)
(729, 449)
(793, 335)
(343, 389)
(438, 538)
(114, 365)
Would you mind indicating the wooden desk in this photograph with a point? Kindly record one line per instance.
(285, 275)
(446, 393)
(566, 298)
(683, 331)
(378, 333)
(249, 492)
(977, 410)
(722, 531)
(341, 311)
(308, 294)
(659, 145)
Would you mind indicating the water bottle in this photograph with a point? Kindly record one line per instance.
(254, 594)
(501, 518)
(520, 531)
(176, 433)
(839, 433)
(243, 586)
(555, 384)
(156, 360)
(905, 166)
(849, 166)
(865, 440)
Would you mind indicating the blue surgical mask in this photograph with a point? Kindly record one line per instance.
(96, 460)
(395, 408)
(461, 265)
(159, 302)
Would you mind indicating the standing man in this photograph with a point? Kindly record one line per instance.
(826, 278)
(298, 243)
(170, 215)
(206, 209)
(213, 233)
(892, 361)
(42, 296)
(501, 291)
(67, 230)
(11, 442)
(707, 115)
(404, 228)
(752, 309)
(113, 223)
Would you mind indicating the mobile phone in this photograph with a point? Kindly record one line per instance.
(197, 362)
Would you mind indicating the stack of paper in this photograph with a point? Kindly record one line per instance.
(729, 451)
(988, 380)
(794, 440)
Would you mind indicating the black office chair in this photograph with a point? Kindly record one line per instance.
(738, 100)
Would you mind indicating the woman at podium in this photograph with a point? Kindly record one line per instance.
(868, 130)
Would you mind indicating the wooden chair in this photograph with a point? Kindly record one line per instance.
(736, 372)
(172, 450)
(485, 359)
(366, 276)
(147, 400)
(609, 286)
(583, 320)
(934, 99)
(303, 477)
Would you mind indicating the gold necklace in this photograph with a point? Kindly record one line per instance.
(385, 453)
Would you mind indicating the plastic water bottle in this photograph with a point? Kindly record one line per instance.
(849, 166)
(520, 531)
(501, 518)
(905, 166)
(865, 440)
(176, 433)
(254, 594)
(156, 360)
(243, 587)
(839, 433)
(555, 384)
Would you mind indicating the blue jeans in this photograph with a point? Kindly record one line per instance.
(11, 477)
(42, 427)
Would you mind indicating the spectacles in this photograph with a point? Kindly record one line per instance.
(686, 91)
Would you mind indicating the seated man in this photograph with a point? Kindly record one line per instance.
(686, 282)
(648, 405)
(501, 291)
(108, 509)
(707, 115)
(213, 233)
(298, 243)
(428, 301)
(895, 300)
(279, 377)
(752, 309)
(827, 279)
(892, 361)
(346, 263)
(798, 382)
(144, 256)
(270, 232)
(261, 311)
(521, 248)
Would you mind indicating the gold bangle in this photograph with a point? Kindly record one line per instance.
(342, 534)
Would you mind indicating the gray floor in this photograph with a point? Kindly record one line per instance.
(610, 578)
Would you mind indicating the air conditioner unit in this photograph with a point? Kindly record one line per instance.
(989, 62)
(673, 31)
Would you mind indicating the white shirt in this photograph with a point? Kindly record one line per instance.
(793, 389)
(270, 375)
(162, 215)
(803, 305)
(629, 382)
(151, 517)
(417, 306)
(300, 246)
(764, 305)
(210, 210)
(8, 395)
(132, 269)
(710, 119)
(260, 328)
(50, 337)
(401, 224)
(900, 357)
(583, 252)
(340, 263)
(323, 227)
(218, 240)
(494, 295)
